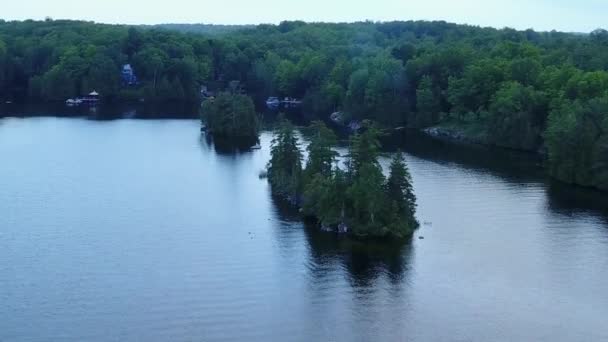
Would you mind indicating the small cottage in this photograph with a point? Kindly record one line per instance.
(128, 75)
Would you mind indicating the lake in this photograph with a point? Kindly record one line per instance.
(123, 230)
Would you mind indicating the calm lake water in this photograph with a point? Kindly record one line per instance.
(131, 230)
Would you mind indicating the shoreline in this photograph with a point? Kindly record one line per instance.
(460, 136)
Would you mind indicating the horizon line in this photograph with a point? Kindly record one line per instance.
(373, 21)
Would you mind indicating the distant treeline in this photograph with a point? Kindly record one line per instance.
(207, 29)
(519, 89)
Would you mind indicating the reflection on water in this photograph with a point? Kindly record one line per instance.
(232, 147)
(106, 111)
(513, 165)
(570, 199)
(365, 262)
(142, 230)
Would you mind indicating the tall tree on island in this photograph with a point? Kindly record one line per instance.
(285, 165)
(326, 200)
(364, 149)
(369, 202)
(324, 185)
(321, 156)
(401, 194)
(366, 192)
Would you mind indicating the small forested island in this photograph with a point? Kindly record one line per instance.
(231, 117)
(359, 199)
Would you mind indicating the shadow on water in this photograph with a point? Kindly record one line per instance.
(568, 199)
(296, 115)
(228, 147)
(364, 261)
(509, 164)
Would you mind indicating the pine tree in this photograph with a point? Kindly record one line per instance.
(321, 156)
(366, 194)
(401, 192)
(369, 201)
(325, 198)
(285, 165)
(364, 149)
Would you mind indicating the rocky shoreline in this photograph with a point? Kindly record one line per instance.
(458, 136)
(454, 135)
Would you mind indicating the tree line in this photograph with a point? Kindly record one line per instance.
(536, 91)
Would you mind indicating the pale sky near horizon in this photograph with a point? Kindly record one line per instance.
(543, 15)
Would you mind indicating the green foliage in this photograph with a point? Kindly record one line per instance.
(55, 59)
(364, 149)
(285, 165)
(504, 83)
(326, 199)
(525, 71)
(473, 92)
(360, 197)
(369, 202)
(286, 78)
(427, 104)
(401, 193)
(378, 207)
(321, 156)
(517, 116)
(577, 142)
(231, 116)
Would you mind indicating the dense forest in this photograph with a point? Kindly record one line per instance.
(536, 91)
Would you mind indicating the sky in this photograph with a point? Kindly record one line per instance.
(543, 15)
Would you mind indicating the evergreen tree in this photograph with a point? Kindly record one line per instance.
(366, 194)
(285, 165)
(369, 202)
(321, 156)
(401, 193)
(365, 148)
(325, 198)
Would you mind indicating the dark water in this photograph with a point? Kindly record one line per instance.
(138, 230)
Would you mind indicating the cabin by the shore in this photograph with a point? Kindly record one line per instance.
(206, 93)
(128, 75)
(91, 99)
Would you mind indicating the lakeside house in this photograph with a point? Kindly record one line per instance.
(274, 102)
(206, 93)
(91, 99)
(128, 75)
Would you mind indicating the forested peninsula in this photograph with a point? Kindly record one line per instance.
(527, 90)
